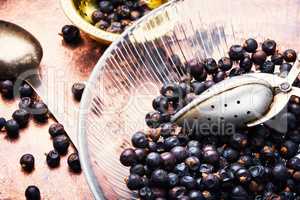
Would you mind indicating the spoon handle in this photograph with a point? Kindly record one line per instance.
(293, 74)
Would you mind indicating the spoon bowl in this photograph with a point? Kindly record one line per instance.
(20, 51)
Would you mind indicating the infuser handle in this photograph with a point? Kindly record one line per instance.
(293, 74)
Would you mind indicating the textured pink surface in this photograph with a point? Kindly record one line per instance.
(44, 20)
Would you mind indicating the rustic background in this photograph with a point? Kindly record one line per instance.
(44, 19)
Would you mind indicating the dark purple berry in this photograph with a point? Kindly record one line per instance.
(22, 117)
(27, 162)
(135, 182)
(219, 76)
(71, 34)
(32, 193)
(97, 15)
(210, 66)
(25, 103)
(74, 163)
(12, 128)
(56, 129)
(106, 6)
(159, 177)
(39, 111)
(250, 45)
(61, 144)
(269, 46)
(277, 59)
(259, 57)
(7, 89)
(290, 55)
(128, 157)
(236, 52)
(25, 90)
(53, 159)
(267, 67)
(153, 160)
(139, 140)
(77, 90)
(225, 64)
(153, 119)
(246, 63)
(198, 87)
(2, 123)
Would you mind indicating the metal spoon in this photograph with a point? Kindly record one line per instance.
(20, 51)
(246, 100)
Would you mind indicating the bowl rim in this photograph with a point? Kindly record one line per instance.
(96, 33)
(86, 99)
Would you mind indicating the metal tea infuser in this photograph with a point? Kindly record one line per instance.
(246, 100)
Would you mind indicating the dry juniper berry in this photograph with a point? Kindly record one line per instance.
(210, 65)
(61, 144)
(139, 140)
(246, 63)
(288, 149)
(22, 117)
(280, 172)
(219, 76)
(128, 157)
(277, 58)
(56, 129)
(225, 64)
(74, 163)
(25, 90)
(138, 169)
(267, 67)
(153, 119)
(39, 111)
(193, 163)
(7, 89)
(239, 193)
(236, 52)
(196, 69)
(196, 195)
(77, 90)
(210, 181)
(102, 24)
(159, 177)
(70, 34)
(188, 182)
(146, 193)
(180, 153)
(173, 180)
(27, 162)
(153, 160)
(2, 123)
(32, 192)
(269, 46)
(106, 6)
(168, 160)
(290, 55)
(177, 192)
(53, 159)
(12, 128)
(198, 87)
(259, 57)
(25, 103)
(97, 15)
(135, 182)
(250, 45)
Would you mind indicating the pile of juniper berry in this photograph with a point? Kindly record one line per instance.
(253, 163)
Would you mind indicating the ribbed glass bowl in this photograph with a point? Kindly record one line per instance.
(128, 76)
